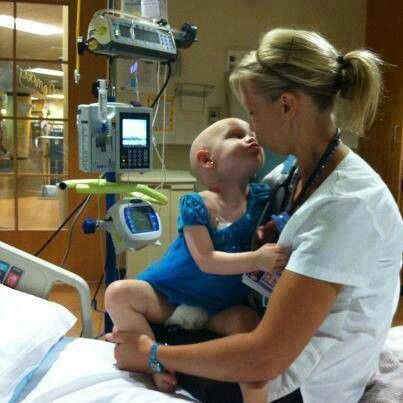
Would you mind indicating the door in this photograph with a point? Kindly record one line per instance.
(383, 146)
(33, 114)
(38, 146)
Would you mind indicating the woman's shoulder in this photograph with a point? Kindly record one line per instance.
(354, 178)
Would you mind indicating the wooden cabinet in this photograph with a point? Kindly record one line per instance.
(382, 148)
(177, 184)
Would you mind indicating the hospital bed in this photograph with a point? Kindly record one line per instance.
(39, 364)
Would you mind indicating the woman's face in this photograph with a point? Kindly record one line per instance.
(265, 120)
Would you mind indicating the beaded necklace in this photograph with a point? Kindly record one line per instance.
(320, 166)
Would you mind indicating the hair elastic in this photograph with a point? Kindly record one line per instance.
(341, 61)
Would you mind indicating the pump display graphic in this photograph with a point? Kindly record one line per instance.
(134, 132)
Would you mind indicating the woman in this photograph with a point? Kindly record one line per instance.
(322, 332)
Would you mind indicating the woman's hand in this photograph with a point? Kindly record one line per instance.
(271, 257)
(132, 351)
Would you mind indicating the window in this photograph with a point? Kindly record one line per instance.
(33, 113)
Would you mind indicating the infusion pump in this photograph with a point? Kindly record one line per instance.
(133, 224)
(121, 143)
(117, 34)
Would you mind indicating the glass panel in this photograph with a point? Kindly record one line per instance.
(6, 145)
(6, 29)
(42, 31)
(7, 188)
(6, 88)
(42, 90)
(41, 206)
(42, 147)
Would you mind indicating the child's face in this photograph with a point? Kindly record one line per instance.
(236, 150)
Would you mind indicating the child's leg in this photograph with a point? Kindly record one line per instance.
(254, 392)
(240, 319)
(132, 304)
(237, 319)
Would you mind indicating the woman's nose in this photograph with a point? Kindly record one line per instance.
(251, 124)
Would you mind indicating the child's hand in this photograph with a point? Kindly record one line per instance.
(271, 257)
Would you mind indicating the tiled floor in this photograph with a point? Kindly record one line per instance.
(68, 297)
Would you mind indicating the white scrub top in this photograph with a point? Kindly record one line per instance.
(349, 232)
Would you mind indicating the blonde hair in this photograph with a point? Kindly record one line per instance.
(289, 59)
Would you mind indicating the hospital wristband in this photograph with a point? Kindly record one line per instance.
(155, 365)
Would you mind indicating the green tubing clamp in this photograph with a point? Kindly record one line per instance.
(72, 183)
(154, 195)
(101, 186)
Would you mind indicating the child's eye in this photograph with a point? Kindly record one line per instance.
(238, 135)
(235, 135)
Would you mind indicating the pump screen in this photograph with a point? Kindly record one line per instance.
(141, 220)
(147, 36)
(134, 132)
(125, 31)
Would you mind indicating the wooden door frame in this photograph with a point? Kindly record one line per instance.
(382, 35)
(85, 257)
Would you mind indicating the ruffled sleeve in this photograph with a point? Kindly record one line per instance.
(192, 211)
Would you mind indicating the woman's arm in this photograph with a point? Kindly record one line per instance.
(269, 257)
(297, 308)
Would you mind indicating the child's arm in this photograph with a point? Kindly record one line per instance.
(270, 257)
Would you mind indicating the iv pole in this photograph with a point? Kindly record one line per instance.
(183, 39)
(111, 274)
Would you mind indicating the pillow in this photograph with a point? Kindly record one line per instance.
(29, 327)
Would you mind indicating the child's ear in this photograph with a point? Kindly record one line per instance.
(204, 158)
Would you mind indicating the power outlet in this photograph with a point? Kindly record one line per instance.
(213, 115)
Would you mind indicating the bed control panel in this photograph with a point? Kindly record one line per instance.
(10, 275)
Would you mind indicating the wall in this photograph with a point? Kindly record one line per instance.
(237, 25)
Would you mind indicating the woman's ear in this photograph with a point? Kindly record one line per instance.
(288, 105)
(204, 159)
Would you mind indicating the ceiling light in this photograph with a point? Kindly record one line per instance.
(48, 72)
(55, 96)
(32, 27)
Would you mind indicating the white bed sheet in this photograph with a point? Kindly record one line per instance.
(83, 370)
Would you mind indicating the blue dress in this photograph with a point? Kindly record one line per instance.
(177, 276)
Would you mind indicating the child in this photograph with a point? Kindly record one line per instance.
(203, 266)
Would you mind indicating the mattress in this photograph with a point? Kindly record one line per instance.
(83, 370)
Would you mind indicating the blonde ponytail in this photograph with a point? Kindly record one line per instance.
(361, 88)
(289, 59)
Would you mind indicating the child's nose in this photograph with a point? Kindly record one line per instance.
(251, 137)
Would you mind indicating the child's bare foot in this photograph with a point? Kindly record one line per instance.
(165, 381)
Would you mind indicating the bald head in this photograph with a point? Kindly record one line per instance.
(211, 136)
